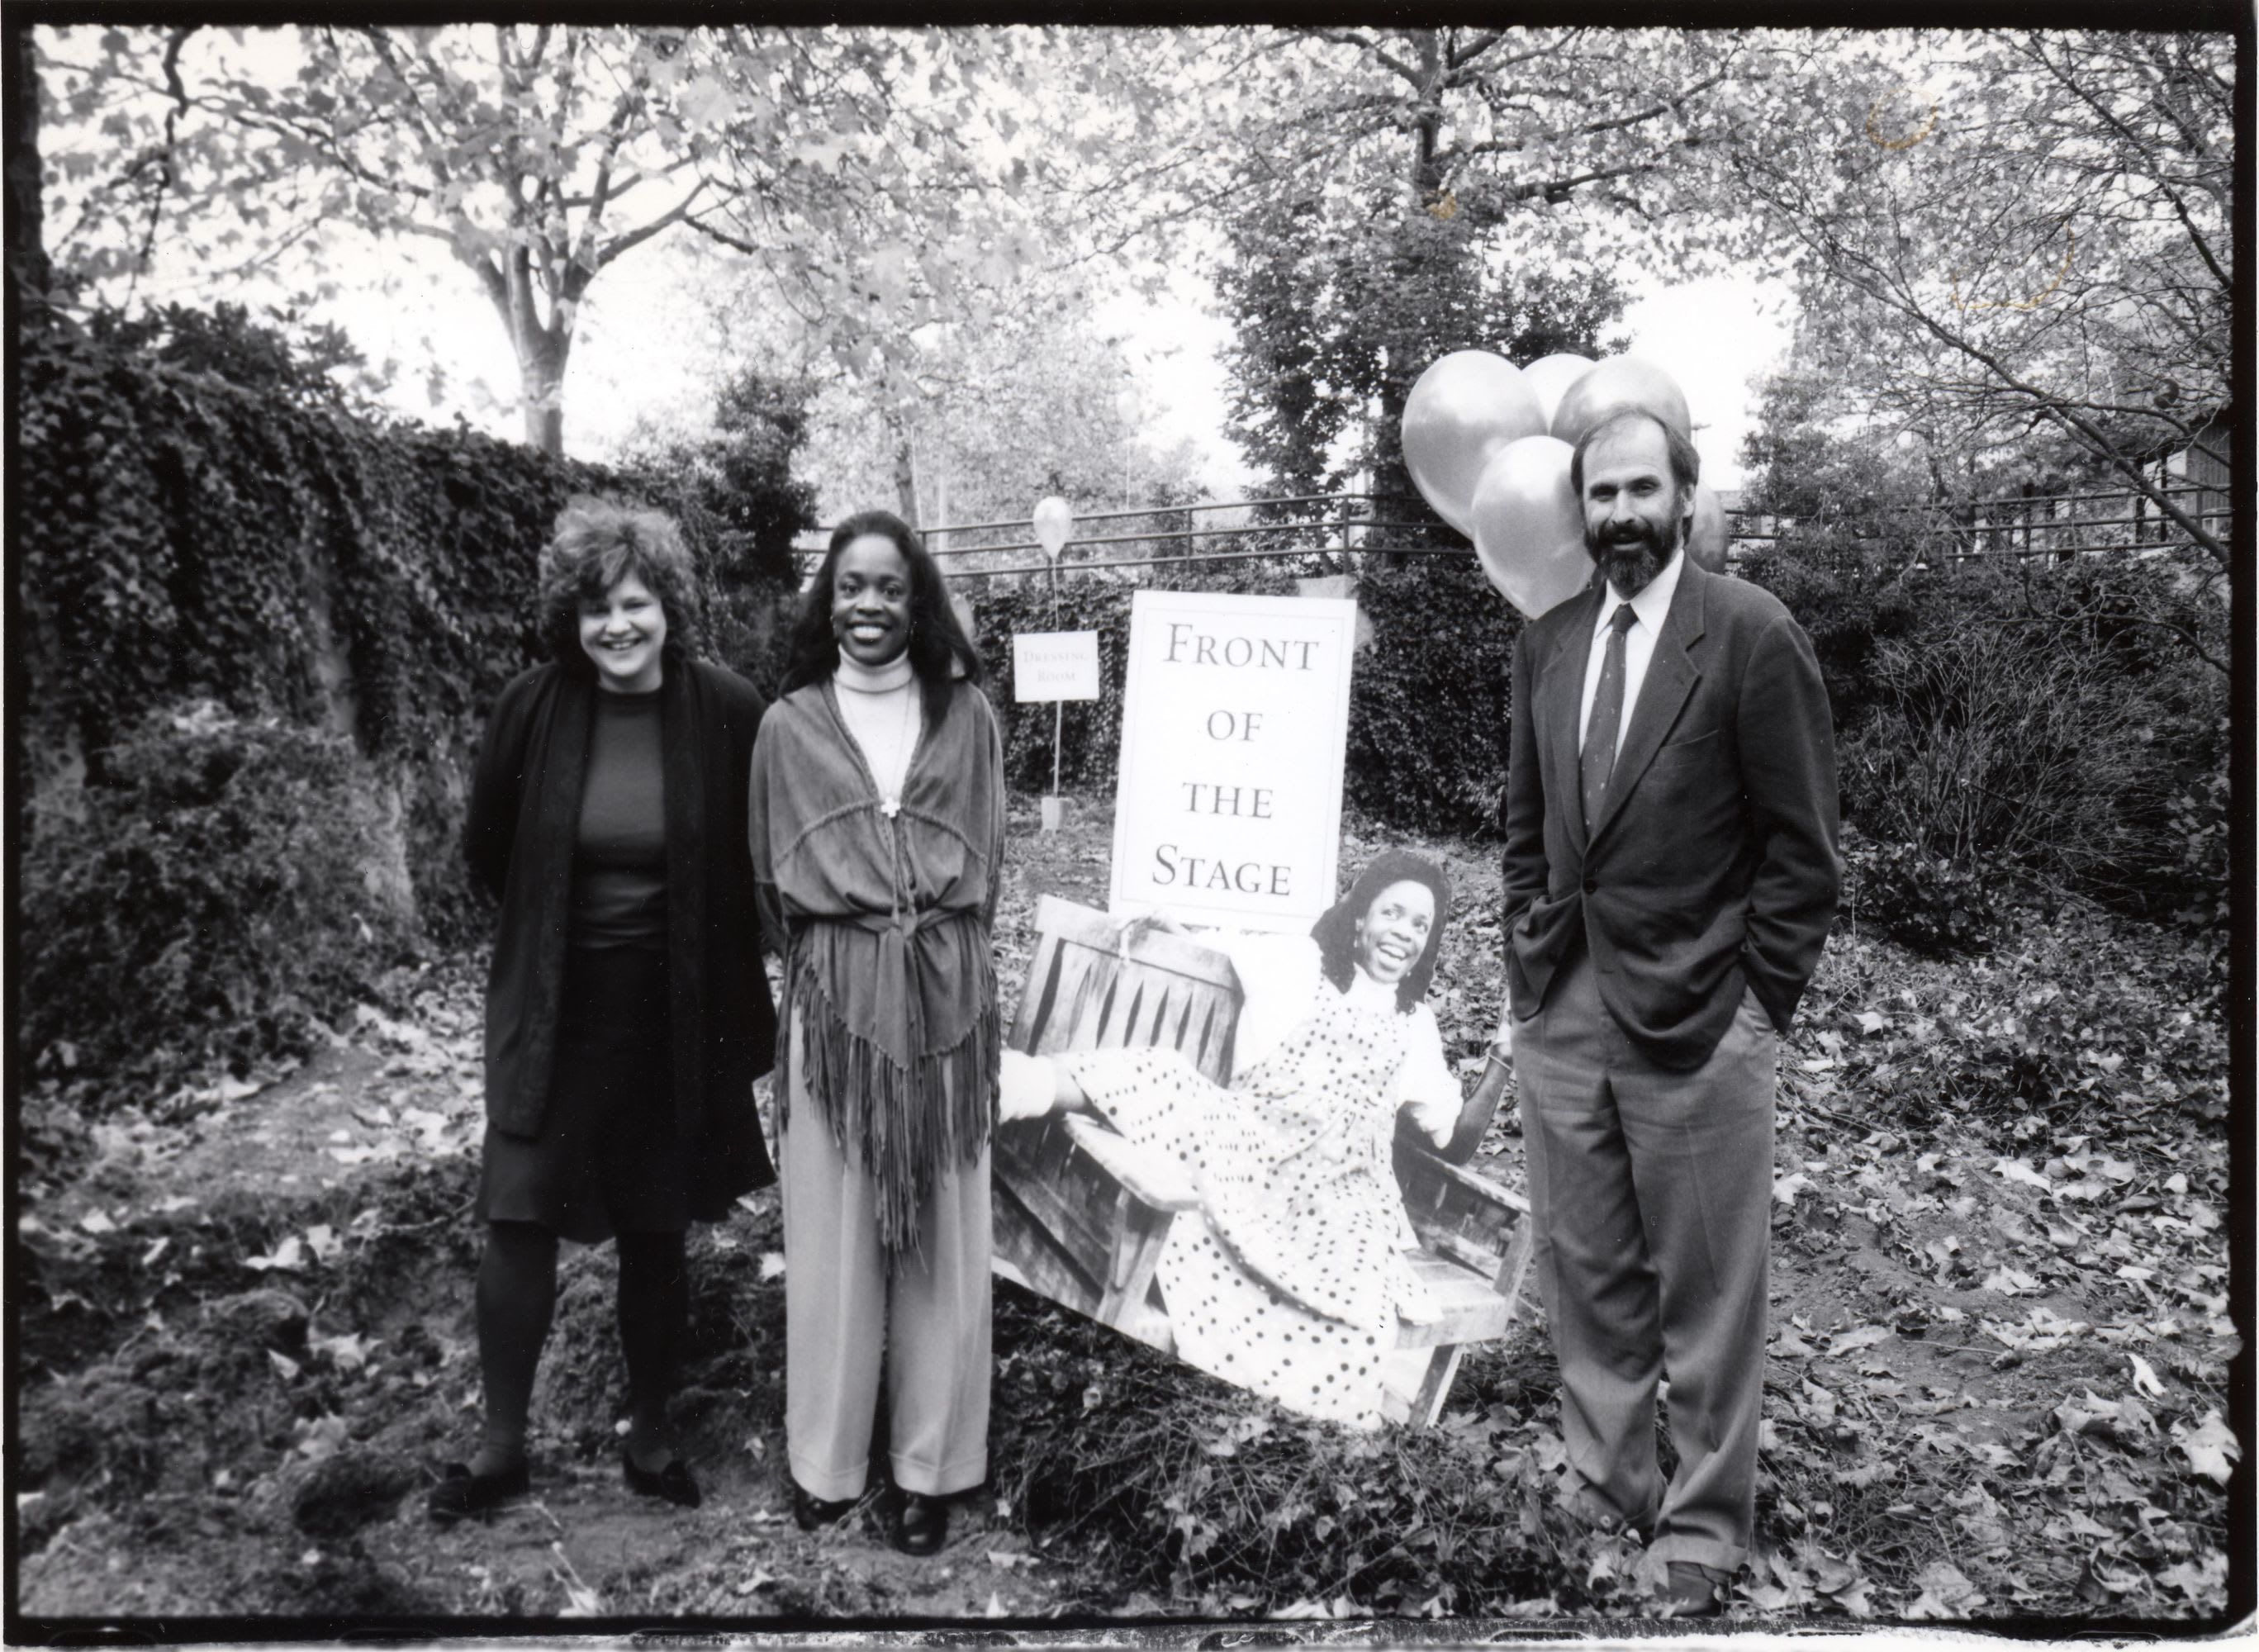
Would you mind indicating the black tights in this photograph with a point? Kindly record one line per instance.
(517, 1301)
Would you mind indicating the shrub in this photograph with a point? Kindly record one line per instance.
(1427, 722)
(2057, 723)
(1089, 730)
(1922, 900)
(1849, 596)
(2017, 730)
(226, 887)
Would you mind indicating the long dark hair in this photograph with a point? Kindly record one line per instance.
(1335, 930)
(939, 649)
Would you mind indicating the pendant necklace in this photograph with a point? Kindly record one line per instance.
(891, 807)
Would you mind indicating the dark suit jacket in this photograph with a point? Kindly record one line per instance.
(519, 832)
(1713, 862)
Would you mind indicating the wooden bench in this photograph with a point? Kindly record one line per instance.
(1081, 1212)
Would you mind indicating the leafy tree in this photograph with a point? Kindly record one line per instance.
(296, 362)
(1416, 191)
(740, 475)
(1339, 306)
(2005, 234)
(988, 420)
(538, 154)
(737, 485)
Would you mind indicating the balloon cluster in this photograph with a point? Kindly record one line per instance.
(1488, 444)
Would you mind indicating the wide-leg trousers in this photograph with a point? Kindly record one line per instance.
(1651, 1191)
(844, 1317)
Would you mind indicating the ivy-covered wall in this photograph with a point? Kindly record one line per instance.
(258, 597)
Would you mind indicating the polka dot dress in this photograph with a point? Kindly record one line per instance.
(1286, 1280)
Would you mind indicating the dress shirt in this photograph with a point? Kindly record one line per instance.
(1648, 610)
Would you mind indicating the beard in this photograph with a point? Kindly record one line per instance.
(1632, 554)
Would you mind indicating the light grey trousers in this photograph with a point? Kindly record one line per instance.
(844, 1316)
(1652, 1195)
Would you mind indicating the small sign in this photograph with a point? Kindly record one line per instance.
(1055, 665)
(1234, 725)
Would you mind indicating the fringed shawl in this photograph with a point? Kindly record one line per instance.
(882, 920)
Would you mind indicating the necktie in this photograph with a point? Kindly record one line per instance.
(1599, 756)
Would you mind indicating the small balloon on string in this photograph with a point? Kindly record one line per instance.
(1054, 520)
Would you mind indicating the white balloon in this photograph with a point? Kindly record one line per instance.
(1550, 377)
(1620, 384)
(1054, 518)
(1528, 530)
(1464, 408)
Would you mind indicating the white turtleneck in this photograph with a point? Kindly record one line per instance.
(882, 710)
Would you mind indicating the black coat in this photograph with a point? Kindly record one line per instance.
(1713, 863)
(525, 813)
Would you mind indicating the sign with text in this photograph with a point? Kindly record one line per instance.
(1235, 724)
(1055, 665)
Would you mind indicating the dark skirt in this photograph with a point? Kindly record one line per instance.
(607, 1158)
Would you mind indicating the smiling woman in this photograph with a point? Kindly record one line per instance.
(626, 1014)
(624, 631)
(1290, 1277)
(877, 823)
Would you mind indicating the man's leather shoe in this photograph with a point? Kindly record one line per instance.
(461, 1494)
(810, 1513)
(1690, 1591)
(921, 1524)
(670, 1485)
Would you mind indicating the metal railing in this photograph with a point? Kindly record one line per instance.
(1339, 526)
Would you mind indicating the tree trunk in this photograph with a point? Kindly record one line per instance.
(541, 359)
(906, 478)
(28, 272)
(543, 348)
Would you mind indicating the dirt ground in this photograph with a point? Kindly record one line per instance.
(244, 1344)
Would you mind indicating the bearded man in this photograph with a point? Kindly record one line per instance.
(1671, 870)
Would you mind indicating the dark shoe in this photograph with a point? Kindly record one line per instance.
(461, 1494)
(670, 1485)
(921, 1523)
(810, 1513)
(1690, 1592)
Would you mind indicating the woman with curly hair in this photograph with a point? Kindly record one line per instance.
(878, 832)
(627, 1015)
(1290, 1277)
